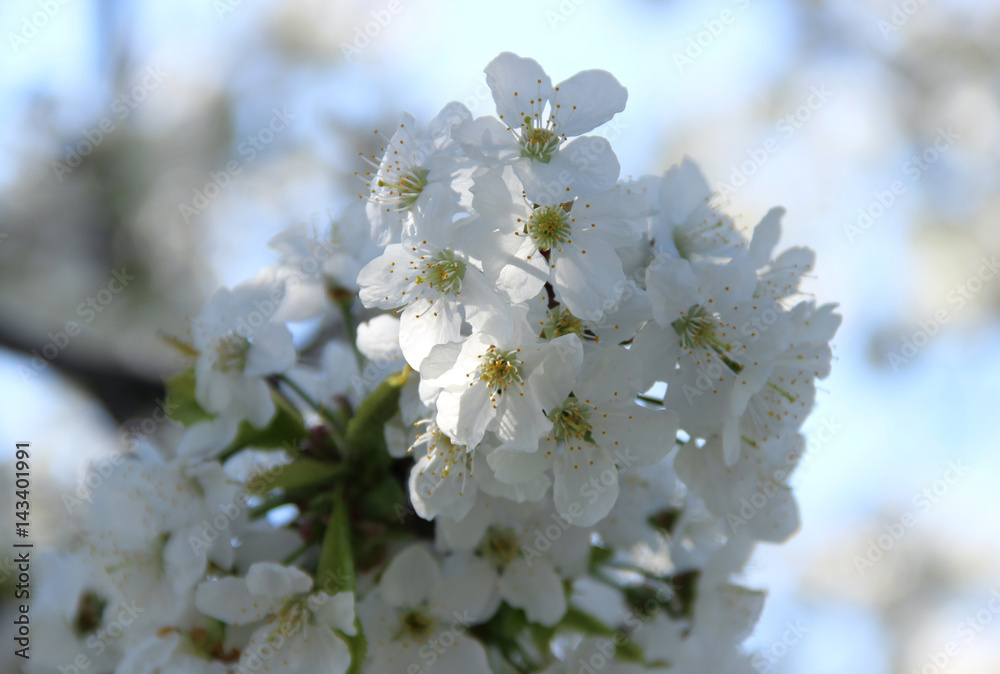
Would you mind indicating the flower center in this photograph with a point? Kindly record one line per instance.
(440, 446)
(500, 546)
(89, 613)
(444, 273)
(292, 616)
(548, 227)
(417, 623)
(537, 142)
(572, 421)
(562, 322)
(406, 190)
(686, 238)
(500, 370)
(231, 352)
(700, 329)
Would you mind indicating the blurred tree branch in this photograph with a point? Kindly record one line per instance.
(123, 392)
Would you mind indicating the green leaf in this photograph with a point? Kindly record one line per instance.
(365, 431)
(542, 636)
(181, 403)
(301, 474)
(598, 556)
(365, 434)
(381, 501)
(629, 651)
(578, 621)
(335, 572)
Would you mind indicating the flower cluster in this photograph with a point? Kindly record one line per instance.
(533, 419)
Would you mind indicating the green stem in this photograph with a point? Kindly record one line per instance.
(649, 399)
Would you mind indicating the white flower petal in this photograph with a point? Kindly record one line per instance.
(384, 280)
(425, 324)
(267, 579)
(586, 485)
(336, 611)
(587, 100)
(589, 280)
(584, 166)
(410, 575)
(272, 351)
(463, 594)
(765, 237)
(520, 87)
(229, 600)
(319, 651)
(534, 586)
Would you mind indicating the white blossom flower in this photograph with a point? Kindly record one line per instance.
(617, 326)
(643, 494)
(298, 630)
(751, 495)
(161, 550)
(785, 401)
(167, 654)
(441, 480)
(780, 277)
(723, 339)
(551, 332)
(237, 346)
(600, 430)
(433, 273)
(570, 242)
(504, 386)
(537, 120)
(684, 223)
(528, 550)
(314, 260)
(418, 618)
(412, 160)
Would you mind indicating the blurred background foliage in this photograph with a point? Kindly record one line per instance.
(116, 115)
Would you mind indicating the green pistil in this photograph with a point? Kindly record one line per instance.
(548, 227)
(572, 421)
(232, 352)
(416, 623)
(538, 143)
(407, 190)
(698, 330)
(292, 616)
(682, 241)
(500, 370)
(444, 273)
(500, 546)
(562, 322)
